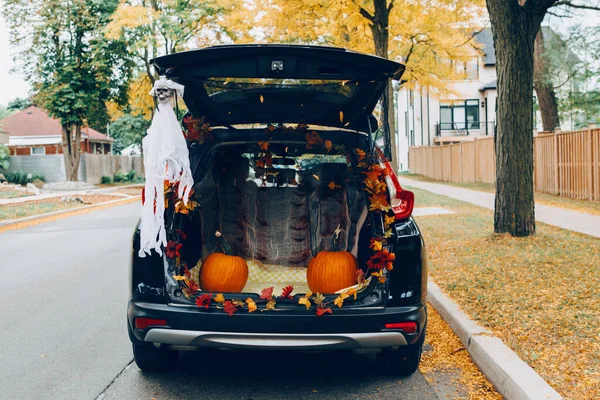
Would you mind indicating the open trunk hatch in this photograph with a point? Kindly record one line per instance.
(241, 84)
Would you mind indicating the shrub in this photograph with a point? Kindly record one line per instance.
(106, 180)
(131, 176)
(120, 177)
(22, 178)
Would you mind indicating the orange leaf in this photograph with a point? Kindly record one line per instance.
(219, 298)
(251, 305)
(305, 301)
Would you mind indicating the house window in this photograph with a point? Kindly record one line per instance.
(468, 70)
(459, 115)
(38, 151)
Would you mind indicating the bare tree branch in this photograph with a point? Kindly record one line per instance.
(471, 36)
(570, 4)
(366, 14)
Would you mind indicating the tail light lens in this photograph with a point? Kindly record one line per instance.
(405, 203)
(143, 323)
(408, 327)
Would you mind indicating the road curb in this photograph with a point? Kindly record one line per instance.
(510, 375)
(53, 216)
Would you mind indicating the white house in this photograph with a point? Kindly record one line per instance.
(424, 120)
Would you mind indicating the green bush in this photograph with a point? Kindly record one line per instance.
(120, 177)
(106, 180)
(22, 178)
(131, 176)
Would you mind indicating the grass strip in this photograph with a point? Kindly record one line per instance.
(540, 294)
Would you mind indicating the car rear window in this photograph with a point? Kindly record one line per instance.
(223, 89)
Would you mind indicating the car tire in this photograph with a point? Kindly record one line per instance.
(150, 358)
(404, 361)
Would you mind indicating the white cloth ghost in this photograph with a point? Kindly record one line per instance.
(166, 158)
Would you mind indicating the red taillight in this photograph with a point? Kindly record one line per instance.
(143, 323)
(408, 327)
(404, 208)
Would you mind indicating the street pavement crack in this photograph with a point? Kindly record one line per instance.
(101, 395)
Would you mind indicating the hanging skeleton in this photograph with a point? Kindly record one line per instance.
(165, 159)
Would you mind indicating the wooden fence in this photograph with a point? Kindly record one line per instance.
(565, 164)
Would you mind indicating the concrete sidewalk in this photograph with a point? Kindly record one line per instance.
(561, 217)
(49, 195)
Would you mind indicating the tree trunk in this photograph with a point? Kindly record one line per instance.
(380, 31)
(514, 28)
(543, 87)
(71, 151)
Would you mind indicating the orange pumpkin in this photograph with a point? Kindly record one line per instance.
(331, 271)
(223, 272)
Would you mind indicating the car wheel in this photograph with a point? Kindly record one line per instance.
(403, 361)
(150, 358)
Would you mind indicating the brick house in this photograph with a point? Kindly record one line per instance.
(33, 132)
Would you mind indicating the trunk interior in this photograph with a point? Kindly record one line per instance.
(277, 208)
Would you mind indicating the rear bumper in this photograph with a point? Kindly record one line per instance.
(234, 340)
(347, 328)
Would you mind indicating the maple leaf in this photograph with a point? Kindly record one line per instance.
(182, 208)
(318, 299)
(322, 310)
(351, 292)
(376, 244)
(339, 301)
(287, 291)
(238, 303)
(267, 294)
(219, 298)
(179, 277)
(379, 276)
(374, 186)
(172, 250)
(191, 289)
(204, 300)
(264, 146)
(360, 276)
(382, 259)
(229, 308)
(270, 305)
(388, 234)
(379, 202)
(388, 220)
(305, 301)
(251, 305)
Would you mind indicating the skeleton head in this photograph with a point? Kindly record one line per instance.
(163, 95)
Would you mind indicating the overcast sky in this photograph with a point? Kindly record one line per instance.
(13, 85)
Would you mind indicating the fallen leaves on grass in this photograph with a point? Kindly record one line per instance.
(539, 294)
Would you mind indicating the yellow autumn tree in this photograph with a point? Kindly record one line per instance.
(425, 35)
(153, 28)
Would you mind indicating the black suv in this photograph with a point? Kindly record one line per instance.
(282, 143)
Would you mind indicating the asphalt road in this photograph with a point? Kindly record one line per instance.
(63, 296)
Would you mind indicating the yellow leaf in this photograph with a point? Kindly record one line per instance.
(341, 116)
(388, 234)
(179, 277)
(305, 301)
(389, 219)
(262, 99)
(319, 298)
(219, 298)
(316, 177)
(339, 301)
(251, 305)
(270, 305)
